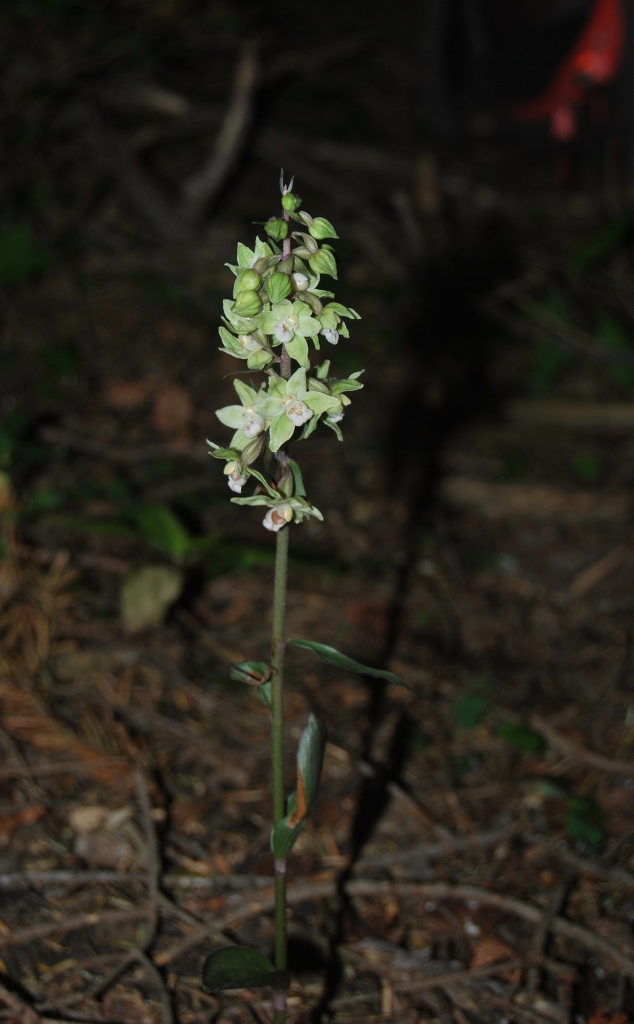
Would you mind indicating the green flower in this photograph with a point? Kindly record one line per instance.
(290, 323)
(337, 390)
(332, 326)
(250, 343)
(289, 404)
(245, 420)
(281, 510)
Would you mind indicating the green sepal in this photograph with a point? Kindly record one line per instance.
(297, 349)
(240, 967)
(337, 387)
(319, 403)
(260, 360)
(334, 657)
(246, 394)
(337, 307)
(255, 499)
(252, 672)
(228, 454)
(333, 426)
(298, 479)
(281, 431)
(262, 479)
(310, 759)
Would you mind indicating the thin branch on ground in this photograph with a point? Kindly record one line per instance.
(201, 188)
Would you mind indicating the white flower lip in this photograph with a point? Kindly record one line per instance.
(254, 424)
(277, 517)
(330, 334)
(249, 343)
(299, 413)
(284, 331)
(236, 482)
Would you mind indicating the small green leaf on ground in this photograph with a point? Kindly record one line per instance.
(147, 595)
(469, 710)
(584, 821)
(587, 467)
(334, 657)
(20, 260)
(520, 736)
(240, 967)
(159, 526)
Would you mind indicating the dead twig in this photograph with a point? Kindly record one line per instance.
(578, 753)
(71, 924)
(23, 1012)
(200, 189)
(120, 454)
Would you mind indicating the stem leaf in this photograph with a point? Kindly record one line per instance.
(241, 967)
(334, 657)
(252, 672)
(310, 758)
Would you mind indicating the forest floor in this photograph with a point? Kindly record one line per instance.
(471, 855)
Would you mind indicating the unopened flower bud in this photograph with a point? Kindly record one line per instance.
(300, 281)
(278, 287)
(247, 281)
(277, 517)
(291, 202)
(248, 303)
(322, 228)
(252, 451)
(323, 262)
(262, 264)
(276, 228)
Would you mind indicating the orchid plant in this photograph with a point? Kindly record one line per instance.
(276, 320)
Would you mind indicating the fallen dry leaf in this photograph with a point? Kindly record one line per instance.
(490, 950)
(127, 395)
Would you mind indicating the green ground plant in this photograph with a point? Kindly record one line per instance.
(276, 319)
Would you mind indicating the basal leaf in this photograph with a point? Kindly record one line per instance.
(240, 967)
(520, 736)
(160, 527)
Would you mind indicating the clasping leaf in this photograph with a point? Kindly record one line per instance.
(334, 657)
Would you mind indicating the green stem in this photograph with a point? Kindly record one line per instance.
(277, 743)
(277, 671)
(277, 714)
